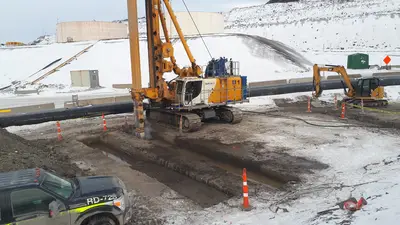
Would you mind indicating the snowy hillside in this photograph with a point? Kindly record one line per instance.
(318, 25)
(260, 59)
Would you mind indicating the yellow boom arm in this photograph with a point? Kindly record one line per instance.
(331, 68)
(159, 51)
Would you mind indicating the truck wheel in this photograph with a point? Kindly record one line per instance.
(101, 220)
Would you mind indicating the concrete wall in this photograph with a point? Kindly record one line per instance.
(90, 30)
(27, 109)
(208, 23)
(98, 101)
(383, 74)
(338, 77)
(300, 80)
(122, 86)
(268, 83)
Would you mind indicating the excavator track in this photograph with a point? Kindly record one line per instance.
(190, 121)
(230, 115)
(367, 103)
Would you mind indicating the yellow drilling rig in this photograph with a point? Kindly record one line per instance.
(193, 96)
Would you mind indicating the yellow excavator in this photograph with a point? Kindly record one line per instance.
(366, 89)
(192, 97)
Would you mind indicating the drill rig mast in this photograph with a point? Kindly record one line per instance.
(190, 98)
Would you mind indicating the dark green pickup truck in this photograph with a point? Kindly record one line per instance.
(38, 197)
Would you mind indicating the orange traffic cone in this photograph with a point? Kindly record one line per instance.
(246, 205)
(59, 136)
(309, 104)
(104, 122)
(342, 115)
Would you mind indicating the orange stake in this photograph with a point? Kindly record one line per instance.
(342, 115)
(180, 125)
(104, 122)
(59, 136)
(309, 104)
(246, 205)
(335, 101)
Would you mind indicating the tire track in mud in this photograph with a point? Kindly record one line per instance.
(202, 194)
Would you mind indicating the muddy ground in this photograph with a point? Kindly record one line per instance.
(384, 117)
(18, 153)
(173, 174)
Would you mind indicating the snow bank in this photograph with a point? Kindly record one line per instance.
(318, 25)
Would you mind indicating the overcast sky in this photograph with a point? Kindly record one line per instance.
(25, 20)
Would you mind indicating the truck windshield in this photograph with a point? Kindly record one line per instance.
(57, 185)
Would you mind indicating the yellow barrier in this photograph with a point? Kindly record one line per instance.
(5, 110)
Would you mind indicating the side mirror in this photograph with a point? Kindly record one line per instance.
(54, 209)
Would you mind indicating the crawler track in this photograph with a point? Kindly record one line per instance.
(367, 103)
(230, 115)
(192, 121)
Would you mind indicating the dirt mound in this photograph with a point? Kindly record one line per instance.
(18, 153)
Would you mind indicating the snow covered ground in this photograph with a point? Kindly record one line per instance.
(360, 166)
(112, 59)
(258, 60)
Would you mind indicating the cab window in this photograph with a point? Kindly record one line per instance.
(57, 185)
(30, 201)
(193, 89)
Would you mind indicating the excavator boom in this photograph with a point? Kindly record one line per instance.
(331, 68)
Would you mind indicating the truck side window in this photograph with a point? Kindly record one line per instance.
(30, 201)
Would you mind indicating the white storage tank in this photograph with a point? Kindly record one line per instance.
(90, 30)
(207, 23)
(85, 78)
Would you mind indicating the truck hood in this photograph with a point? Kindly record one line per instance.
(99, 185)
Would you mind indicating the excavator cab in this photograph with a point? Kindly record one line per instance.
(369, 88)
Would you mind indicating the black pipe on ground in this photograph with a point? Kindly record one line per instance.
(65, 114)
(304, 87)
(126, 107)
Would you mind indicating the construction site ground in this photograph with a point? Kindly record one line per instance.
(174, 174)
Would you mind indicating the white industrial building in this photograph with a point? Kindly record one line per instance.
(207, 23)
(90, 30)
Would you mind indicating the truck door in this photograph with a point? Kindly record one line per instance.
(31, 206)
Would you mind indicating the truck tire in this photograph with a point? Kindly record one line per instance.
(101, 220)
